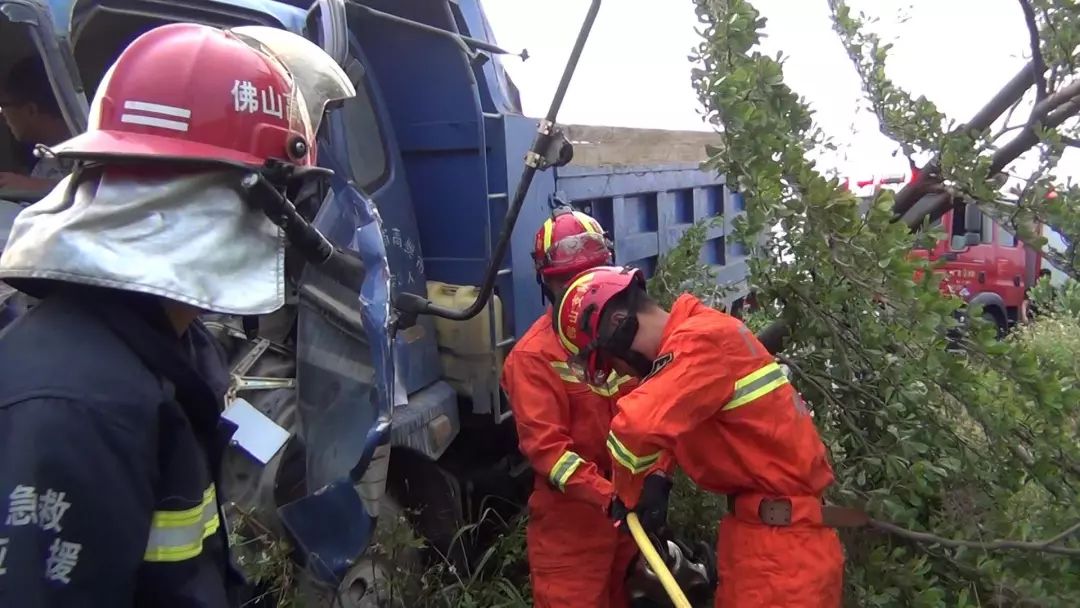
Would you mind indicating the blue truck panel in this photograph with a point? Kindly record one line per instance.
(647, 210)
(442, 144)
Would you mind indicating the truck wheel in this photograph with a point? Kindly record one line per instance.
(998, 322)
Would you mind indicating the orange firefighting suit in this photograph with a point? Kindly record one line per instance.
(720, 405)
(576, 557)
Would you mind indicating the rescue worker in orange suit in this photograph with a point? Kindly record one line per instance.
(712, 397)
(576, 558)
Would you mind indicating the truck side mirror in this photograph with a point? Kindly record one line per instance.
(972, 238)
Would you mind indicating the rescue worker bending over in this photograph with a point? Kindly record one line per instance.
(576, 559)
(712, 397)
(110, 388)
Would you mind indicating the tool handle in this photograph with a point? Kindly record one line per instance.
(656, 562)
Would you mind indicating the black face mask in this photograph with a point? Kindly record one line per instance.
(622, 339)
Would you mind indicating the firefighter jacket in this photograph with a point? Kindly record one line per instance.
(109, 445)
(723, 408)
(562, 421)
(577, 559)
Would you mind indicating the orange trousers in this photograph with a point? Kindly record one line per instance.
(577, 559)
(760, 566)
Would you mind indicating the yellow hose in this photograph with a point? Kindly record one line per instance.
(656, 562)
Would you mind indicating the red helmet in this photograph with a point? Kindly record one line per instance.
(191, 92)
(579, 312)
(568, 243)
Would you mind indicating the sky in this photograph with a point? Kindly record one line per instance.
(635, 70)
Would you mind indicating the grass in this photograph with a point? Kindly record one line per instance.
(496, 578)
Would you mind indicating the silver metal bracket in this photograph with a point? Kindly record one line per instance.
(534, 160)
(239, 381)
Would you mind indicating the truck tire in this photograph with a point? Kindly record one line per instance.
(432, 498)
(998, 321)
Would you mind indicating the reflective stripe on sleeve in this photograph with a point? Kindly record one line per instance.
(757, 385)
(564, 371)
(564, 468)
(178, 535)
(622, 455)
(614, 381)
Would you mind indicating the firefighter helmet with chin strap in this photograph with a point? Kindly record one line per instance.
(578, 319)
(197, 136)
(569, 242)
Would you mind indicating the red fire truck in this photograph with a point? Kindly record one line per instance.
(982, 262)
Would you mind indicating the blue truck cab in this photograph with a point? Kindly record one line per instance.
(425, 158)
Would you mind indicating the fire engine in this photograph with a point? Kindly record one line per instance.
(979, 260)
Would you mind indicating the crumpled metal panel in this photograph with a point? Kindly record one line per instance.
(345, 370)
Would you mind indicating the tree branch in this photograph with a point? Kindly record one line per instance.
(827, 394)
(1038, 64)
(914, 194)
(1008, 96)
(1044, 546)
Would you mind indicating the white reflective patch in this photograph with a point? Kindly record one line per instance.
(157, 108)
(151, 121)
(255, 433)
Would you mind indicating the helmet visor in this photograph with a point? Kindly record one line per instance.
(576, 253)
(318, 79)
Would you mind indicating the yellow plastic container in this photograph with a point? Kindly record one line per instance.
(465, 347)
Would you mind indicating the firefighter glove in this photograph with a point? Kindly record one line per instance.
(652, 507)
(617, 511)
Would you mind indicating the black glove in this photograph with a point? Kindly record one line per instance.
(652, 507)
(617, 511)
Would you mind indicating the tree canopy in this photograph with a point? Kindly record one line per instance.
(950, 443)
